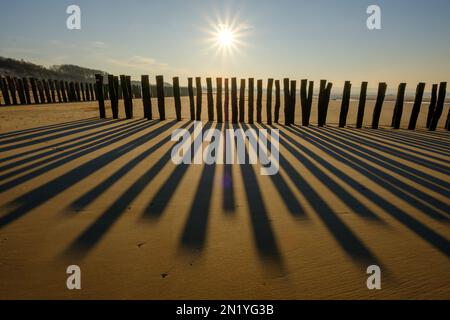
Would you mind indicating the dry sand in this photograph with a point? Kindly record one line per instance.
(103, 194)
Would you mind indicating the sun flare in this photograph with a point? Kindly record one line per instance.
(226, 37)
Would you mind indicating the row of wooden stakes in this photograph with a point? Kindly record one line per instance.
(435, 109)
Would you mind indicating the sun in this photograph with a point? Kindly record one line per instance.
(225, 37)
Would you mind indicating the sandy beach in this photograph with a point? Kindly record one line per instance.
(105, 195)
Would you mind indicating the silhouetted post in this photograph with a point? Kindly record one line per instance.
(63, 91)
(52, 90)
(146, 97)
(34, 90)
(47, 91)
(210, 100)
(293, 93)
(219, 99)
(160, 94)
(113, 97)
(117, 91)
(92, 91)
(78, 91)
(126, 105)
(12, 89)
(326, 102)
(277, 101)
(234, 102)
(447, 123)
(269, 101)
(361, 104)
(198, 85)
(304, 101)
(242, 101)
(345, 104)
(83, 96)
(398, 109)
(287, 100)
(41, 91)
(130, 96)
(259, 95)
(416, 107)
(101, 101)
(21, 91)
(72, 95)
(191, 98)
(378, 104)
(251, 93)
(226, 102)
(439, 106)
(5, 93)
(320, 102)
(26, 89)
(58, 90)
(86, 88)
(176, 97)
(432, 105)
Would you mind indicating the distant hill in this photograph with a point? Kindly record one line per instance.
(21, 68)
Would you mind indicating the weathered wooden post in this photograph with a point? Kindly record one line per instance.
(78, 91)
(21, 91)
(34, 90)
(326, 102)
(26, 88)
(269, 101)
(113, 97)
(198, 85)
(447, 123)
(398, 109)
(219, 100)
(361, 105)
(160, 94)
(191, 98)
(63, 91)
(126, 105)
(293, 93)
(92, 91)
(320, 102)
(234, 101)
(259, 95)
(378, 104)
(47, 91)
(130, 96)
(210, 100)
(86, 88)
(146, 97)
(83, 96)
(304, 101)
(277, 101)
(251, 93)
(116, 90)
(439, 106)
(176, 97)
(72, 95)
(345, 104)
(5, 93)
(12, 89)
(432, 105)
(58, 90)
(40, 90)
(287, 101)
(226, 102)
(101, 101)
(242, 101)
(52, 90)
(416, 107)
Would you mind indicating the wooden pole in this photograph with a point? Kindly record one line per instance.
(92, 91)
(242, 101)
(293, 93)
(219, 100)
(21, 91)
(416, 107)
(251, 93)
(176, 97)
(58, 90)
(198, 84)
(439, 106)
(41, 91)
(34, 90)
(26, 88)
(378, 104)
(226, 101)
(287, 101)
(269, 101)
(345, 104)
(160, 93)
(326, 102)
(398, 109)
(101, 101)
(123, 86)
(304, 101)
(52, 90)
(12, 89)
(277, 101)
(210, 100)
(63, 91)
(113, 97)
(432, 105)
(47, 91)
(259, 95)
(320, 102)
(130, 95)
(146, 97)
(5, 93)
(191, 98)
(234, 102)
(361, 104)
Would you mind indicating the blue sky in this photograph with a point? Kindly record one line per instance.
(296, 39)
